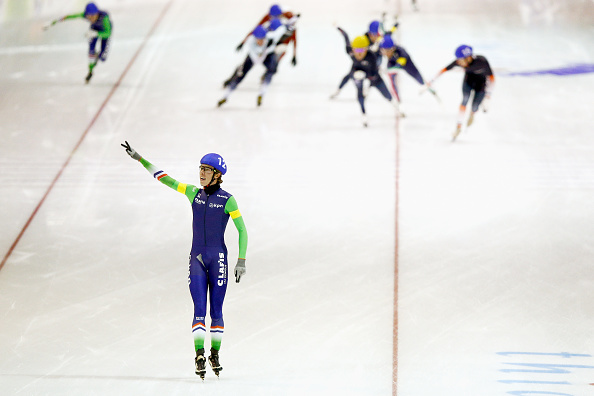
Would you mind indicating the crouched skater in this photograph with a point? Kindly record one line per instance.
(99, 31)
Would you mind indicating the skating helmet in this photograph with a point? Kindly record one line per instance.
(274, 24)
(374, 27)
(91, 9)
(216, 161)
(360, 42)
(259, 32)
(463, 51)
(275, 10)
(387, 42)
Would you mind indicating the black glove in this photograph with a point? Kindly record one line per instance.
(239, 47)
(130, 151)
(294, 61)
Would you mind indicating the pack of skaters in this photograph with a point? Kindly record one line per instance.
(261, 47)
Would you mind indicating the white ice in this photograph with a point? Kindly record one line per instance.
(491, 238)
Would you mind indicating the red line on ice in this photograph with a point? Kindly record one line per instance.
(396, 249)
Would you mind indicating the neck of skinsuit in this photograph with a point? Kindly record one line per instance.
(212, 188)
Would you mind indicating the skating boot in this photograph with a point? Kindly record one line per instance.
(335, 94)
(213, 359)
(221, 102)
(364, 119)
(200, 363)
(91, 67)
(457, 132)
(259, 100)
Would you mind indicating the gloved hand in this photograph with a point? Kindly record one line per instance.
(430, 89)
(239, 269)
(239, 47)
(294, 61)
(50, 24)
(132, 153)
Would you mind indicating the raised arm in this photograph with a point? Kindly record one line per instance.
(263, 20)
(188, 190)
(346, 39)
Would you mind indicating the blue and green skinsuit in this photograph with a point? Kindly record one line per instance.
(370, 66)
(211, 207)
(103, 27)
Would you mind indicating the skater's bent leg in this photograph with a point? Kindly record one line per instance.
(345, 80)
(271, 64)
(360, 96)
(104, 49)
(477, 100)
(394, 86)
(466, 90)
(92, 45)
(461, 114)
(242, 71)
(381, 86)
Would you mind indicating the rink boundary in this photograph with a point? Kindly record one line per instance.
(396, 240)
(396, 263)
(85, 133)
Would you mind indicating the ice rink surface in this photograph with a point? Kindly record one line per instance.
(484, 246)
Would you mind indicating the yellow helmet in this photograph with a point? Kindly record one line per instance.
(360, 42)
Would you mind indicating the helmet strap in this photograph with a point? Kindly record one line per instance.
(211, 183)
